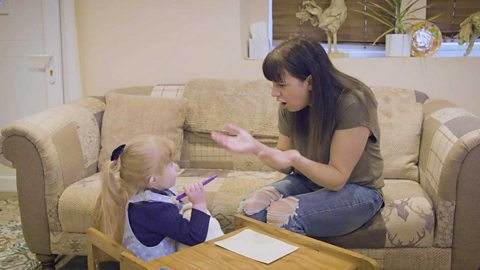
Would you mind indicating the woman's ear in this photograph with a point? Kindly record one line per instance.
(309, 82)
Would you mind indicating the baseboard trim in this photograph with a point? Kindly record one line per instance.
(8, 183)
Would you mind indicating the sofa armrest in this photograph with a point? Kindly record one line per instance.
(449, 172)
(50, 150)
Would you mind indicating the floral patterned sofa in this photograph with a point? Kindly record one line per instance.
(430, 148)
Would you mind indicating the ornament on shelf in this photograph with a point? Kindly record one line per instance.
(329, 20)
(426, 38)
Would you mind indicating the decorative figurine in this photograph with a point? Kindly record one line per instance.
(328, 20)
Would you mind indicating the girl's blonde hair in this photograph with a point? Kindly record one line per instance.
(144, 157)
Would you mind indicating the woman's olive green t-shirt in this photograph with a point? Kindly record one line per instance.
(350, 113)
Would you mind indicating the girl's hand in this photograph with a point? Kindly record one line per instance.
(196, 194)
(279, 160)
(241, 142)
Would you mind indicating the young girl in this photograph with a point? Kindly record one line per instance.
(138, 205)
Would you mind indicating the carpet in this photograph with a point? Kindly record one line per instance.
(14, 253)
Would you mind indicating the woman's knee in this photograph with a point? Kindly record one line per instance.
(280, 212)
(259, 200)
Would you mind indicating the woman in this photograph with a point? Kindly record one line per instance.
(328, 146)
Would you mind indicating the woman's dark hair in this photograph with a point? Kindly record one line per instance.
(302, 57)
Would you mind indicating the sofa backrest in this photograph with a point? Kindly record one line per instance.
(242, 102)
(212, 103)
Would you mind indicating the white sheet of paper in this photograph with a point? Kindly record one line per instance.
(257, 246)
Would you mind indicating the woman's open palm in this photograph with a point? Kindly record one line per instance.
(240, 142)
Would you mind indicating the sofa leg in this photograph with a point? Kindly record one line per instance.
(47, 260)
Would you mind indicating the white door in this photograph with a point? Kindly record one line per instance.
(30, 61)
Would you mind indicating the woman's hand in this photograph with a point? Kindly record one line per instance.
(241, 142)
(279, 160)
(196, 194)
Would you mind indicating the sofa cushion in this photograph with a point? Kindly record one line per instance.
(248, 104)
(212, 104)
(225, 193)
(400, 118)
(78, 201)
(200, 151)
(127, 116)
(407, 220)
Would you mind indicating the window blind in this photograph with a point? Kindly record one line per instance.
(453, 12)
(359, 28)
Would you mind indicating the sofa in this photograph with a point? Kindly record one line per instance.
(430, 147)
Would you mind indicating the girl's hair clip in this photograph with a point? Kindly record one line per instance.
(117, 152)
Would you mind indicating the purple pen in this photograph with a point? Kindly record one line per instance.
(206, 181)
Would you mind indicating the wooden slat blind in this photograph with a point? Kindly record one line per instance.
(372, 28)
(285, 24)
(453, 13)
(358, 28)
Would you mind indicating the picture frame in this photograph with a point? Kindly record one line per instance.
(4, 7)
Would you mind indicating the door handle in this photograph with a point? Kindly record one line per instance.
(47, 66)
(41, 56)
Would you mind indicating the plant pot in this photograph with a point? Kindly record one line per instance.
(398, 45)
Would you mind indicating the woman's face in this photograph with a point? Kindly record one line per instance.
(293, 94)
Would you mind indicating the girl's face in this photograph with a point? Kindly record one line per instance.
(293, 94)
(168, 178)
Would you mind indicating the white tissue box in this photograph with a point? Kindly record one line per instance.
(258, 48)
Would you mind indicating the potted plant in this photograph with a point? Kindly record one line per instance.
(469, 31)
(397, 16)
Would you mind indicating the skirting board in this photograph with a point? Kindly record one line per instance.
(8, 183)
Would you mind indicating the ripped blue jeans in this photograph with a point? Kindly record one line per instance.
(314, 211)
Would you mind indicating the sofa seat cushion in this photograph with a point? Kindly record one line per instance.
(77, 203)
(406, 221)
(225, 193)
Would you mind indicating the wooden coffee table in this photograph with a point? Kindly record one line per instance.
(311, 253)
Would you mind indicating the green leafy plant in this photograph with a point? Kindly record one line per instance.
(469, 31)
(392, 15)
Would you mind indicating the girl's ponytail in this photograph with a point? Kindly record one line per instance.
(113, 200)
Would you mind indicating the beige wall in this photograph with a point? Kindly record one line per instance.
(124, 43)
(144, 42)
(456, 79)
